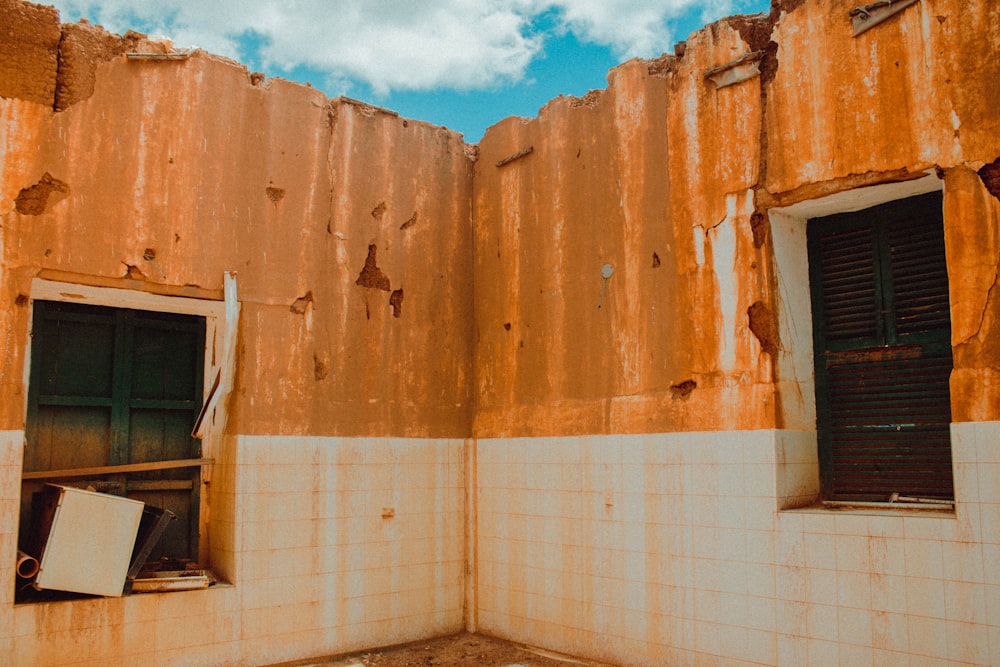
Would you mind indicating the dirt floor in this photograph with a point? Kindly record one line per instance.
(462, 649)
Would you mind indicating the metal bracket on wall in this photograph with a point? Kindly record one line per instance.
(870, 15)
(742, 69)
(367, 108)
(516, 156)
(173, 55)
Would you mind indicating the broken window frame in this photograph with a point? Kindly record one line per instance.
(221, 318)
(112, 397)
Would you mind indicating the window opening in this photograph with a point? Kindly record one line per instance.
(117, 387)
(882, 351)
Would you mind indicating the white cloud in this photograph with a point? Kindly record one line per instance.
(633, 28)
(399, 44)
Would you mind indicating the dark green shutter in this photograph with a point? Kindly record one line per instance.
(882, 337)
(71, 389)
(112, 386)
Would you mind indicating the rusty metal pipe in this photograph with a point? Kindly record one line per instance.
(27, 566)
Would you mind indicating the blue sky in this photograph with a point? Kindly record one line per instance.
(465, 64)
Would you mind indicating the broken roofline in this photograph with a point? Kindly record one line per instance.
(79, 39)
(83, 40)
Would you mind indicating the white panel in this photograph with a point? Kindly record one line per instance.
(90, 543)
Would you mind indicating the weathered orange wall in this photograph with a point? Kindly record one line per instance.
(974, 260)
(194, 162)
(663, 162)
(915, 93)
(662, 177)
(669, 546)
(637, 177)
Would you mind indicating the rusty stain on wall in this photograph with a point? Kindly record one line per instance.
(683, 389)
(203, 221)
(607, 199)
(133, 272)
(320, 368)
(760, 227)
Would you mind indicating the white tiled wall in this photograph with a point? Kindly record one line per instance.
(297, 526)
(11, 455)
(652, 549)
(355, 543)
(671, 549)
(634, 550)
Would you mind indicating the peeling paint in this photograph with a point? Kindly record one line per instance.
(371, 276)
(396, 302)
(699, 245)
(34, 200)
(300, 305)
(409, 223)
(990, 176)
(764, 327)
(761, 229)
(683, 389)
(722, 239)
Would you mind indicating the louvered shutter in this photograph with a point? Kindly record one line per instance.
(882, 347)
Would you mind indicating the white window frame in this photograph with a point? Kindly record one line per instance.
(799, 485)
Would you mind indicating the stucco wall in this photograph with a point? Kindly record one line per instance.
(636, 179)
(607, 301)
(915, 93)
(631, 516)
(663, 163)
(349, 231)
(293, 192)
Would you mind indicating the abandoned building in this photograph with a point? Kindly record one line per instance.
(699, 369)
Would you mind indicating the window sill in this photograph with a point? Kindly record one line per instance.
(941, 510)
(48, 597)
